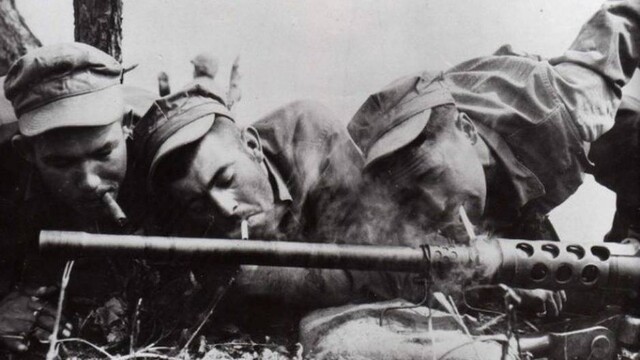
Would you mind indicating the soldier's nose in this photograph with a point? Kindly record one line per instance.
(225, 202)
(436, 206)
(88, 181)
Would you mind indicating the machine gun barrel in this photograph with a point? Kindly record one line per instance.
(519, 263)
(225, 251)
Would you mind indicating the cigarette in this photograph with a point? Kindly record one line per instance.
(244, 229)
(114, 209)
(468, 227)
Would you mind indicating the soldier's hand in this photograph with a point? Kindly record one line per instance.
(542, 302)
(25, 316)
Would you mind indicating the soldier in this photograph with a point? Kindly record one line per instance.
(501, 136)
(290, 175)
(291, 166)
(67, 169)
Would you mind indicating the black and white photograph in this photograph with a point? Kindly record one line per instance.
(320, 179)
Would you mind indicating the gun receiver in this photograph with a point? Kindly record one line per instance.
(518, 263)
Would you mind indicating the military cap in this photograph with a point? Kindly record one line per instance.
(173, 121)
(64, 85)
(395, 116)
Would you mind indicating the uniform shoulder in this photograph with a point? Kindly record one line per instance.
(300, 121)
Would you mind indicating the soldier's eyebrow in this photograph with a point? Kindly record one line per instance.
(104, 148)
(73, 157)
(56, 158)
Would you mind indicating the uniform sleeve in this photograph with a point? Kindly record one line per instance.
(590, 75)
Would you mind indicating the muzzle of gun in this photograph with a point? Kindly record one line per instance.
(116, 213)
(517, 263)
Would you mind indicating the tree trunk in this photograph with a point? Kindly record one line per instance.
(15, 36)
(99, 24)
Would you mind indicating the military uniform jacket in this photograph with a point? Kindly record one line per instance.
(536, 115)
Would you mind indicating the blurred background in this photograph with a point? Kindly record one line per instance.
(337, 52)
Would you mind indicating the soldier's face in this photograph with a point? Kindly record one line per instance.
(225, 183)
(79, 165)
(446, 173)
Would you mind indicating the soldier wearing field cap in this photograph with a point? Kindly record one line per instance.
(291, 175)
(501, 136)
(68, 169)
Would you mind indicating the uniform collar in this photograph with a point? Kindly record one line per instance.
(280, 189)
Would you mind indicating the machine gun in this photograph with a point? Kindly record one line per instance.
(517, 263)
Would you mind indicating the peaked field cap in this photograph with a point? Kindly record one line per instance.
(61, 85)
(173, 121)
(395, 116)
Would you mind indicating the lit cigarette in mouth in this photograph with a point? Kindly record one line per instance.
(468, 227)
(244, 229)
(114, 209)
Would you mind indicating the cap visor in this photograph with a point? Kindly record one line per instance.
(401, 135)
(96, 108)
(186, 135)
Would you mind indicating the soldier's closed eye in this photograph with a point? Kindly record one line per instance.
(224, 178)
(104, 152)
(432, 175)
(60, 162)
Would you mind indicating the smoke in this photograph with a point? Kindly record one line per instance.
(371, 215)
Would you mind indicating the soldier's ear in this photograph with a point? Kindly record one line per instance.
(252, 143)
(464, 124)
(24, 147)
